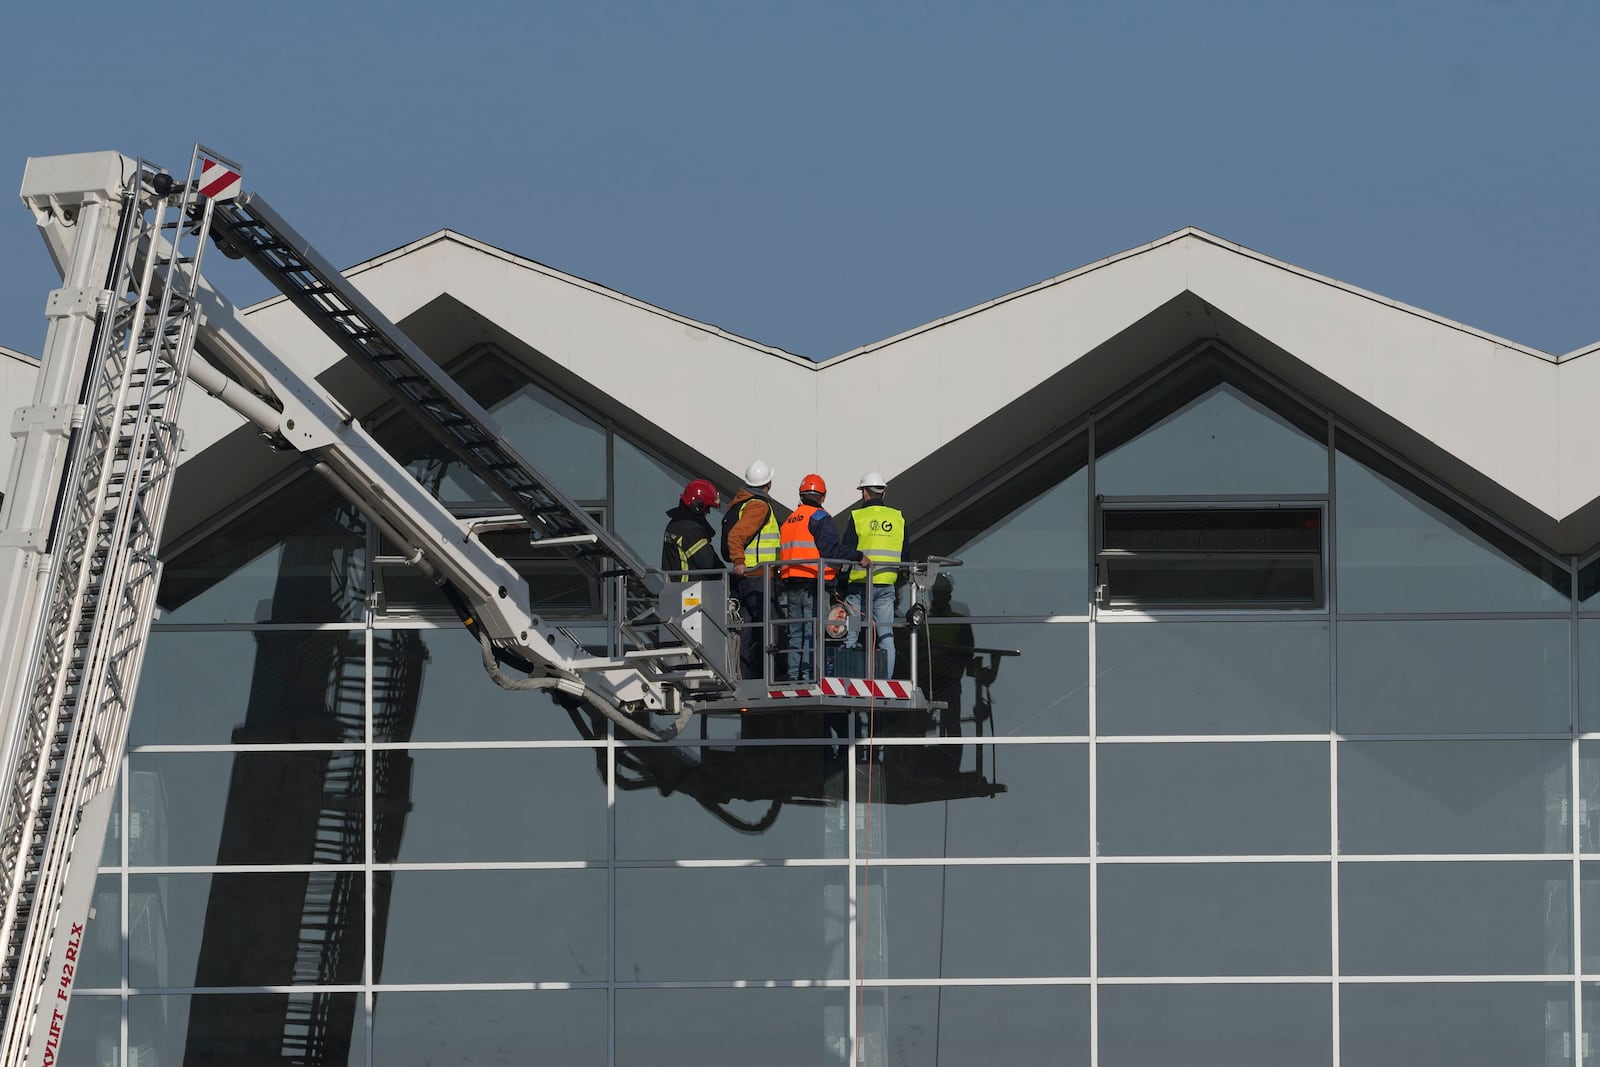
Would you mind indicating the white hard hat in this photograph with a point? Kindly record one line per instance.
(872, 480)
(757, 474)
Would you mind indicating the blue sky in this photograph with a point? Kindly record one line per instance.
(818, 176)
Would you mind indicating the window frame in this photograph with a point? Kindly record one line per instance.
(1105, 559)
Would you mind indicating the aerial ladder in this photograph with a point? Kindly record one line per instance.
(81, 521)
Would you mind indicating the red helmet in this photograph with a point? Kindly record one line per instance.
(813, 483)
(699, 492)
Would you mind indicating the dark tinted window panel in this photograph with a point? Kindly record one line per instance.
(701, 1027)
(230, 1029)
(490, 1026)
(1204, 919)
(1216, 1026)
(1211, 557)
(975, 921)
(1456, 1025)
(980, 1026)
(253, 688)
(1455, 918)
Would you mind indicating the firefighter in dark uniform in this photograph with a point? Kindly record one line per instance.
(689, 544)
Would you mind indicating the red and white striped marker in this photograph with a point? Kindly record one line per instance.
(848, 687)
(219, 182)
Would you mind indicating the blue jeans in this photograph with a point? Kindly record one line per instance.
(799, 601)
(883, 597)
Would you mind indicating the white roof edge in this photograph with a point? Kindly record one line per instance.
(1194, 233)
(20, 357)
(1185, 233)
(494, 251)
(1583, 350)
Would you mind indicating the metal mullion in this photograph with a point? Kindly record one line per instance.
(369, 846)
(1092, 540)
(122, 880)
(1574, 796)
(1455, 616)
(853, 872)
(1331, 599)
(1134, 616)
(611, 893)
(256, 627)
(1180, 501)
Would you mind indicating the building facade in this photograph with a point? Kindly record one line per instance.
(1273, 682)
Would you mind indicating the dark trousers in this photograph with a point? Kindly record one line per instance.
(752, 639)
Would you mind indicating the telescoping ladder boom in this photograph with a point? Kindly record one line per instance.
(67, 724)
(82, 521)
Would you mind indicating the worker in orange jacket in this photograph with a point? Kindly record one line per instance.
(806, 538)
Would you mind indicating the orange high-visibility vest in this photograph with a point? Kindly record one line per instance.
(796, 545)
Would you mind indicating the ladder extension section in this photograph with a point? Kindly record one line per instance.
(249, 227)
(100, 596)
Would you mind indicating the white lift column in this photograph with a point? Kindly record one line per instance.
(75, 200)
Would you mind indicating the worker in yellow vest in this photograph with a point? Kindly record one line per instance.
(877, 532)
(750, 545)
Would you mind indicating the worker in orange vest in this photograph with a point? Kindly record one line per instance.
(806, 538)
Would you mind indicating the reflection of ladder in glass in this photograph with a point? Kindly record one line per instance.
(249, 227)
(318, 1025)
(101, 588)
(332, 910)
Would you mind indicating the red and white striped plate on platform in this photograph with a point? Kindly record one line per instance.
(849, 687)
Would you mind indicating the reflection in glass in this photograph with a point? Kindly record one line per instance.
(1216, 1026)
(1403, 547)
(645, 488)
(297, 556)
(93, 1033)
(1022, 679)
(250, 807)
(229, 1029)
(490, 926)
(546, 804)
(1214, 919)
(1589, 675)
(288, 928)
(1454, 796)
(1590, 890)
(1024, 545)
(730, 802)
(790, 922)
(1455, 918)
(975, 922)
(1213, 678)
(1213, 799)
(697, 1027)
(471, 1028)
(977, 1026)
(566, 445)
(1221, 442)
(1477, 1024)
(253, 688)
(435, 689)
(1455, 677)
(100, 952)
(927, 801)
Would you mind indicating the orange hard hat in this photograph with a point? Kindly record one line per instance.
(813, 483)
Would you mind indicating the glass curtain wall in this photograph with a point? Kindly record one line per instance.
(1359, 834)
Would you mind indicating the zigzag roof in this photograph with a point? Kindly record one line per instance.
(938, 407)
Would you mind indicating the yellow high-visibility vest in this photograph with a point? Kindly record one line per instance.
(763, 547)
(881, 534)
